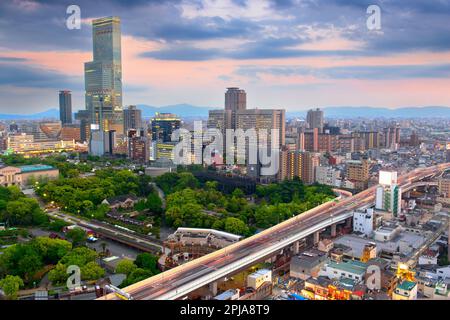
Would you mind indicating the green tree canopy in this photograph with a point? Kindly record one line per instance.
(11, 285)
(125, 266)
(77, 235)
(236, 226)
(147, 261)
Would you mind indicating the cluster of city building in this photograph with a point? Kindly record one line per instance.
(391, 249)
(341, 153)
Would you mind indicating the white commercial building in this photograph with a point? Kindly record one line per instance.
(386, 233)
(363, 222)
(389, 194)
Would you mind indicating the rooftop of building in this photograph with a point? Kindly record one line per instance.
(355, 267)
(321, 281)
(309, 258)
(36, 167)
(121, 198)
(226, 295)
(406, 285)
(357, 244)
(260, 272)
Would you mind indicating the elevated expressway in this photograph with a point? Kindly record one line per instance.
(178, 282)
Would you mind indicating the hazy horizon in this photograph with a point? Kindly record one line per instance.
(294, 54)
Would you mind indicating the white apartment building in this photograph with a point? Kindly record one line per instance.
(364, 222)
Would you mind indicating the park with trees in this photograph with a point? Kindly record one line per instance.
(25, 264)
(191, 204)
(145, 266)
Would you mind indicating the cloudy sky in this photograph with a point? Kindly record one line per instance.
(292, 54)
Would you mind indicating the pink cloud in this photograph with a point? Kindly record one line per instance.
(188, 79)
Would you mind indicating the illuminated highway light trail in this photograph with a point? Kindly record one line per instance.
(179, 281)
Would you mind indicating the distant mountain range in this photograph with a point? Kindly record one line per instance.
(48, 114)
(191, 111)
(373, 112)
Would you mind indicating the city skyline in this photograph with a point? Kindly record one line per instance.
(283, 56)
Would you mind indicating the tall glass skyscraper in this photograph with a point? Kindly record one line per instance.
(103, 75)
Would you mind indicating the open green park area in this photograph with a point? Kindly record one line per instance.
(188, 203)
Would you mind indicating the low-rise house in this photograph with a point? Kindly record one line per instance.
(405, 290)
(121, 202)
(307, 264)
(355, 270)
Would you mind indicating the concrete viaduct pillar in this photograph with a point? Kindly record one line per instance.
(333, 230)
(296, 247)
(348, 222)
(316, 237)
(213, 288)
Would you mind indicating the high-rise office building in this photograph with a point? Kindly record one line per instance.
(103, 75)
(267, 119)
(132, 119)
(237, 116)
(163, 125)
(65, 107)
(314, 118)
(235, 99)
(392, 137)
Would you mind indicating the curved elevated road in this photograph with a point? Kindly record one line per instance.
(179, 281)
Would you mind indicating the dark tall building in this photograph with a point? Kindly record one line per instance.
(84, 117)
(132, 119)
(414, 139)
(110, 141)
(315, 119)
(163, 125)
(235, 99)
(65, 107)
(392, 137)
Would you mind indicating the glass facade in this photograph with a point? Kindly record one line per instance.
(103, 75)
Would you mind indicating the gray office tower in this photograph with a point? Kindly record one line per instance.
(132, 119)
(65, 107)
(314, 118)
